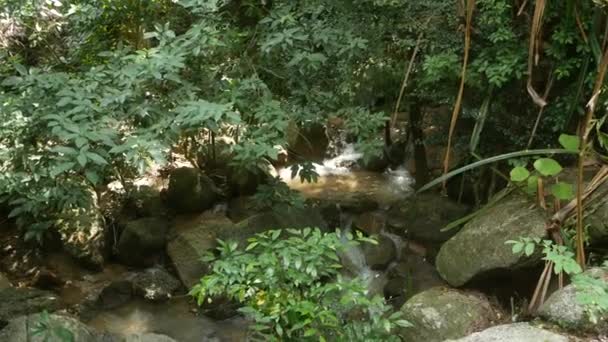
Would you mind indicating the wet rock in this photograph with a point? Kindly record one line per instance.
(23, 329)
(84, 235)
(190, 191)
(370, 223)
(155, 284)
(410, 276)
(46, 279)
(142, 241)
(191, 238)
(145, 201)
(422, 217)
(520, 332)
(309, 142)
(114, 295)
(15, 302)
(480, 246)
(441, 313)
(378, 256)
(564, 309)
(377, 163)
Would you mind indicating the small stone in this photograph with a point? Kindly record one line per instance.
(155, 284)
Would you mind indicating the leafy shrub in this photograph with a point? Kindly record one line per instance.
(292, 290)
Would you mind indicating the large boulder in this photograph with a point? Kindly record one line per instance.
(423, 216)
(190, 191)
(441, 313)
(479, 247)
(563, 307)
(142, 241)
(516, 332)
(192, 237)
(22, 301)
(26, 329)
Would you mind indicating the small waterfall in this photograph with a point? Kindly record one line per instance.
(353, 260)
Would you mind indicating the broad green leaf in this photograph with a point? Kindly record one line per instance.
(82, 160)
(96, 158)
(92, 176)
(569, 142)
(519, 174)
(529, 249)
(532, 185)
(61, 168)
(563, 191)
(64, 150)
(547, 167)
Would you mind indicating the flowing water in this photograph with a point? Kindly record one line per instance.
(339, 182)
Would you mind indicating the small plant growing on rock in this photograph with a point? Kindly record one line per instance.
(544, 168)
(292, 290)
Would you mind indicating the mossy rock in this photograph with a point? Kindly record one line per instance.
(442, 313)
(480, 246)
(564, 309)
(516, 332)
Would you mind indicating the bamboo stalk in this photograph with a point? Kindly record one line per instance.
(533, 50)
(584, 137)
(467, 44)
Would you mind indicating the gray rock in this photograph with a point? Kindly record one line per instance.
(422, 217)
(516, 332)
(142, 241)
(564, 309)
(155, 284)
(191, 238)
(23, 329)
(480, 246)
(308, 143)
(16, 302)
(442, 313)
(190, 191)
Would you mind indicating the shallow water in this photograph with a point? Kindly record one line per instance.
(174, 318)
(338, 182)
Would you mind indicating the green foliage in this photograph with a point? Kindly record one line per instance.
(561, 256)
(277, 196)
(291, 288)
(592, 293)
(50, 331)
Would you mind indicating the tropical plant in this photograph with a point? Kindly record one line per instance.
(292, 289)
